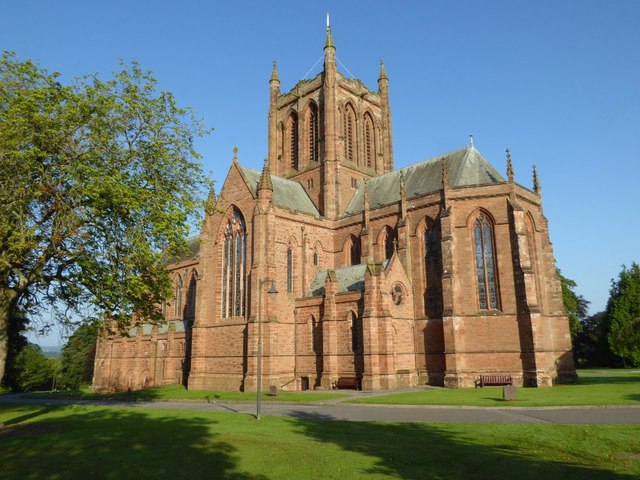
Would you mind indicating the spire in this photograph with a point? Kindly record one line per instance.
(274, 73)
(383, 72)
(329, 42)
(265, 178)
(536, 180)
(509, 166)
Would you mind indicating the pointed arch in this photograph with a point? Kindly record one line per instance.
(292, 140)
(432, 268)
(485, 259)
(350, 133)
(351, 250)
(312, 136)
(191, 295)
(369, 141)
(234, 252)
(387, 240)
(177, 311)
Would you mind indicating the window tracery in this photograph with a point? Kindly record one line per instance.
(234, 265)
(485, 263)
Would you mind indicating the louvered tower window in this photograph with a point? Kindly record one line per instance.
(293, 140)
(313, 132)
(369, 142)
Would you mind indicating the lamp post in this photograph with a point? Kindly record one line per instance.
(272, 294)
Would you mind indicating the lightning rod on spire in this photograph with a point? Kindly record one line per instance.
(328, 25)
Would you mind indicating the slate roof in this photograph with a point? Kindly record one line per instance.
(350, 279)
(286, 193)
(466, 167)
(193, 251)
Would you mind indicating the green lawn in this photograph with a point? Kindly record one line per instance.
(178, 392)
(79, 442)
(594, 387)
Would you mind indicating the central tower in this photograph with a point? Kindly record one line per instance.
(330, 133)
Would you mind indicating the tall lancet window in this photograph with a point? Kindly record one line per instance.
(433, 269)
(234, 253)
(289, 269)
(349, 133)
(178, 307)
(485, 263)
(369, 142)
(292, 130)
(390, 242)
(313, 132)
(191, 296)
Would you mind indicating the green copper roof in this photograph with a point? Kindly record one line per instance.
(286, 193)
(466, 167)
(350, 279)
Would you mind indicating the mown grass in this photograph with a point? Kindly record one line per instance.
(79, 442)
(596, 387)
(178, 392)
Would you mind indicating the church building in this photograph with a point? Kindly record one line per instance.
(435, 273)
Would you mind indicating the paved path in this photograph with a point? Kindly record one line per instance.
(388, 413)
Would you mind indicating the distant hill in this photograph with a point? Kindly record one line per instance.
(51, 352)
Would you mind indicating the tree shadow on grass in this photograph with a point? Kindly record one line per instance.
(107, 443)
(608, 379)
(428, 451)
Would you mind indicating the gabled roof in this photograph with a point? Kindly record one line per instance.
(192, 251)
(286, 193)
(466, 167)
(350, 279)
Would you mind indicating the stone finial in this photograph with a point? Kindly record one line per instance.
(274, 73)
(383, 72)
(265, 178)
(366, 192)
(536, 180)
(210, 206)
(401, 181)
(329, 42)
(235, 154)
(509, 166)
(445, 173)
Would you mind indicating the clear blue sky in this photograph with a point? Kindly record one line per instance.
(556, 82)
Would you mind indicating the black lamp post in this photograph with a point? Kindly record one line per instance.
(272, 292)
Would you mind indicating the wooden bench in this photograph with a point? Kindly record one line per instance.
(493, 380)
(347, 382)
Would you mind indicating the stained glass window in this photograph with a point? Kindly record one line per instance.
(191, 297)
(234, 266)
(433, 269)
(354, 251)
(178, 309)
(355, 333)
(485, 263)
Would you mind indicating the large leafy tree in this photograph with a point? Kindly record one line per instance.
(576, 306)
(98, 181)
(623, 312)
(78, 357)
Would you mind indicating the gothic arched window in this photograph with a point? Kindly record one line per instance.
(312, 132)
(349, 133)
(369, 142)
(292, 129)
(191, 297)
(353, 250)
(485, 263)
(289, 269)
(390, 241)
(433, 269)
(234, 265)
(178, 306)
(355, 333)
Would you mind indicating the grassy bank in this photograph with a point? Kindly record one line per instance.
(595, 387)
(78, 442)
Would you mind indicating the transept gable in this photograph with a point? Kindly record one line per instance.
(466, 167)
